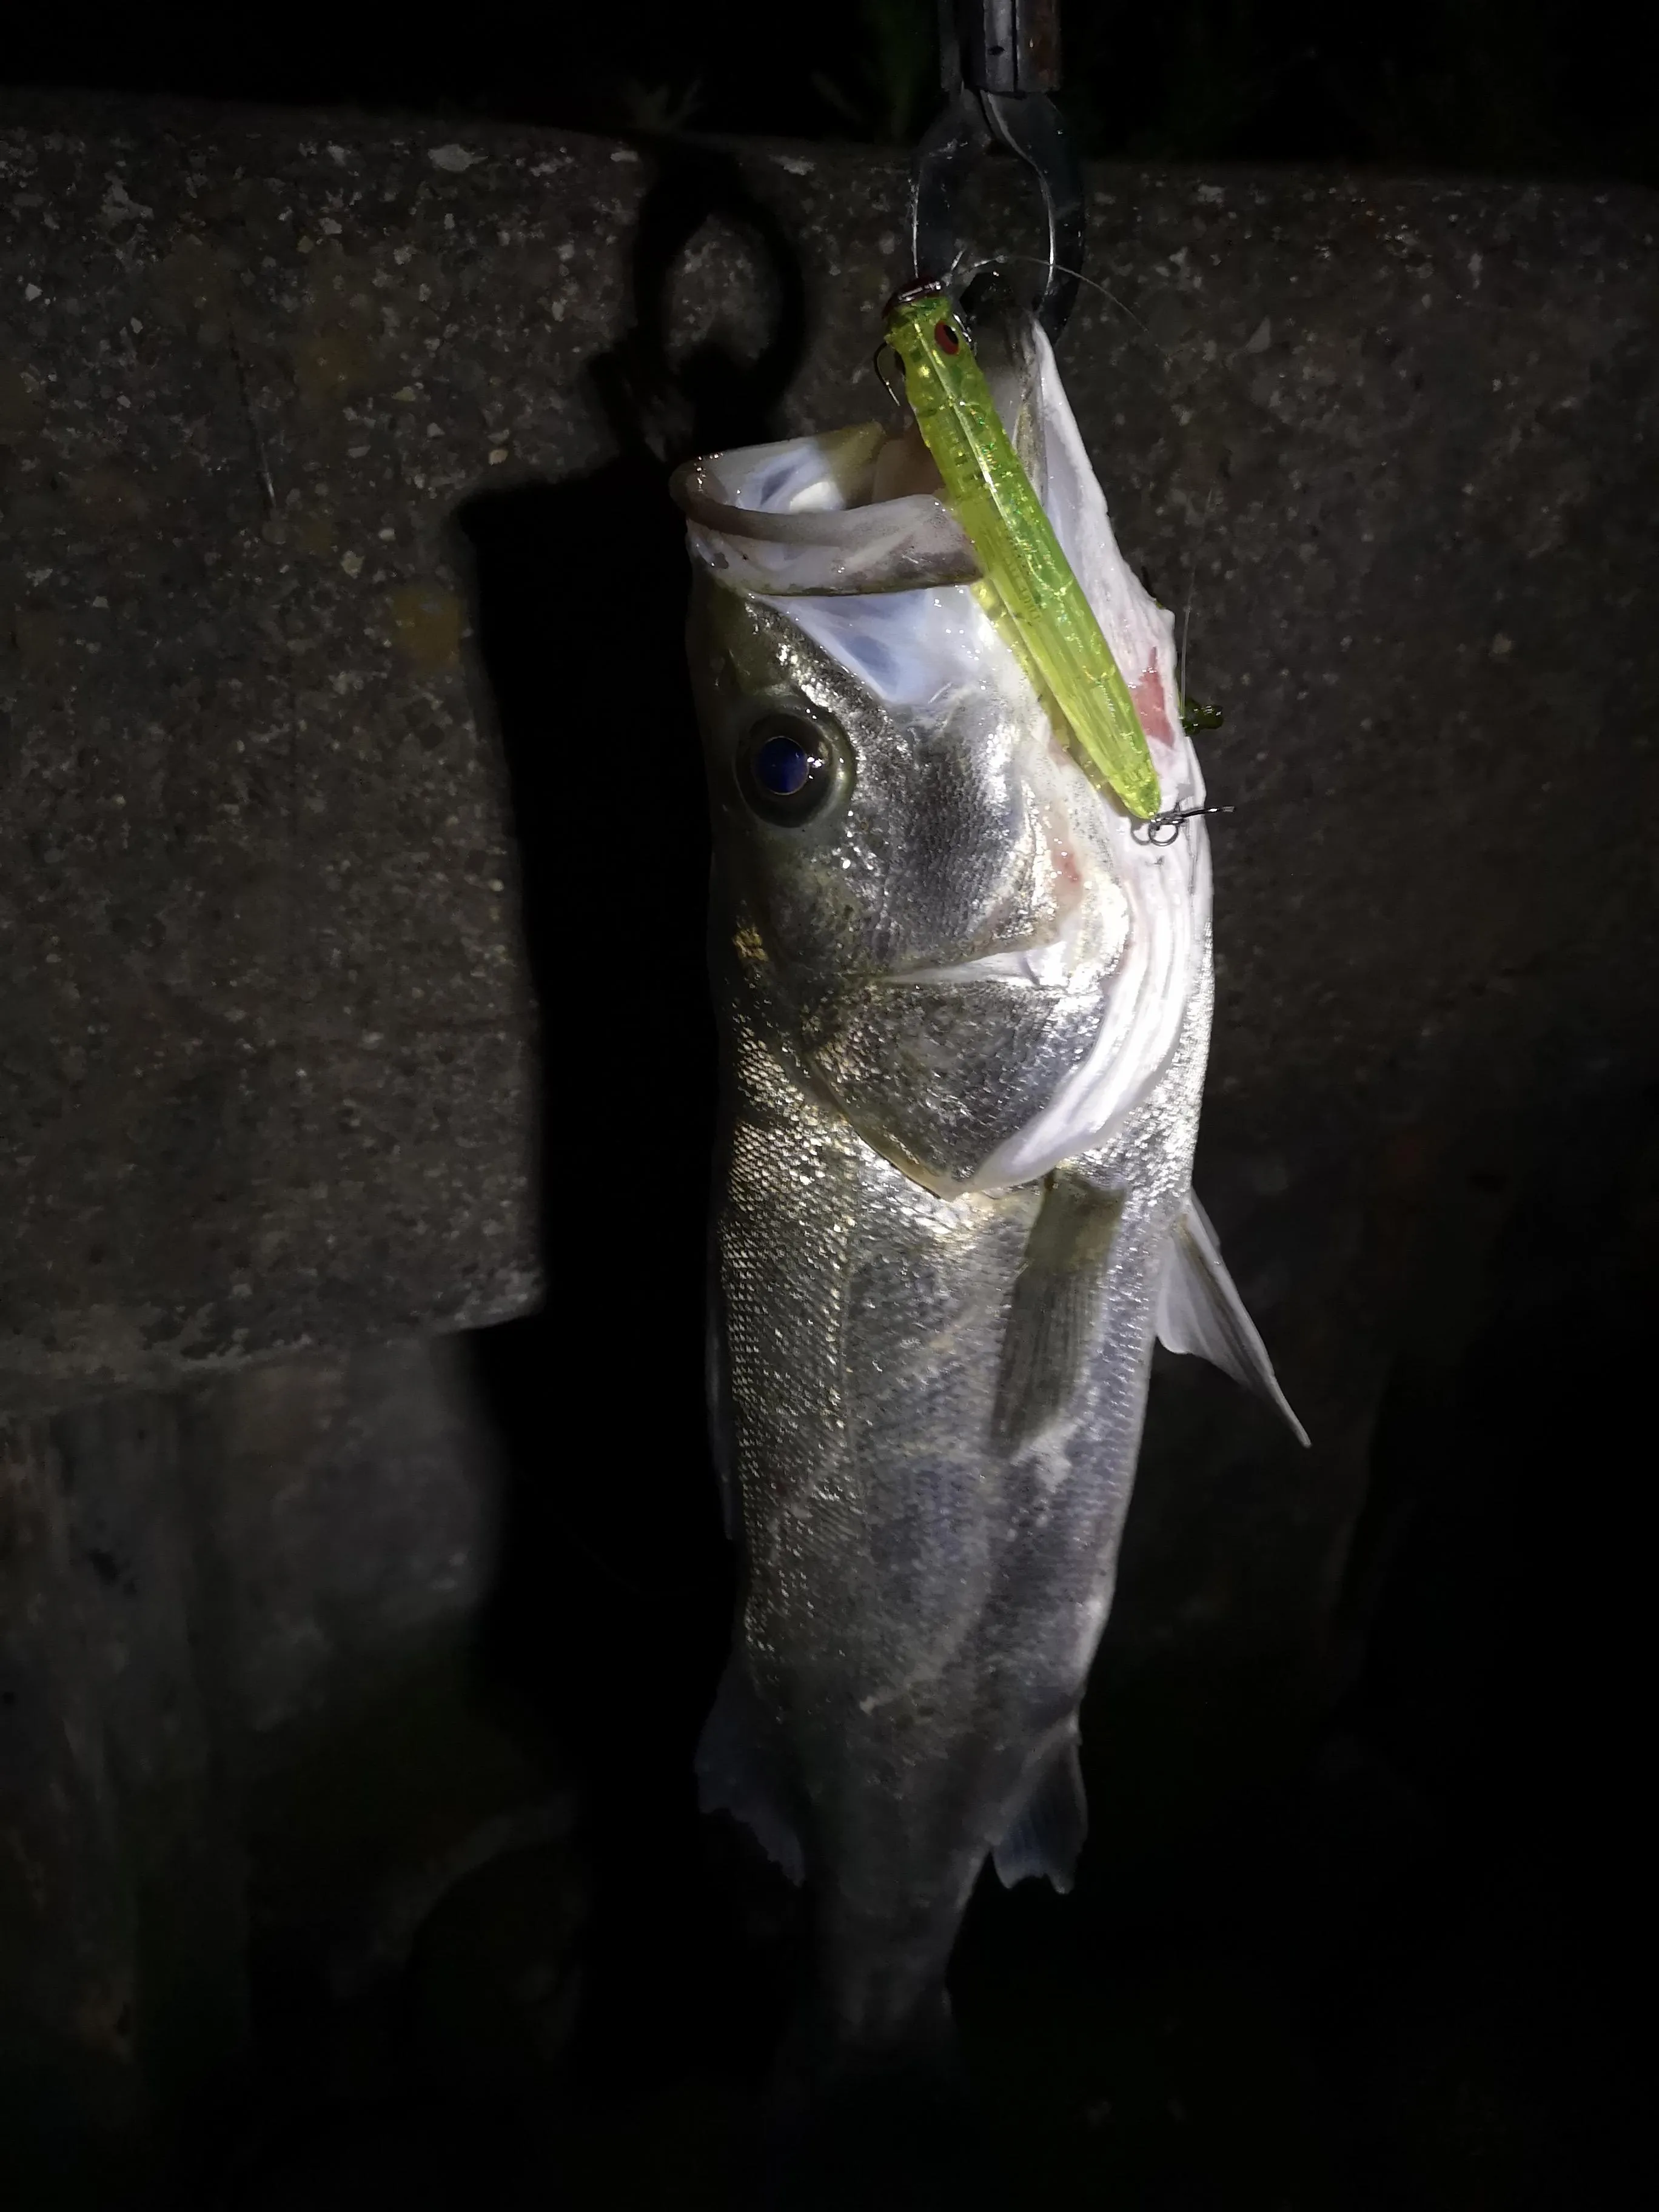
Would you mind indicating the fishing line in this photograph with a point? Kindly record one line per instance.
(999, 260)
(948, 282)
(1191, 586)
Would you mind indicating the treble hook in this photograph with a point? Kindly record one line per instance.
(1163, 829)
(878, 361)
(1001, 61)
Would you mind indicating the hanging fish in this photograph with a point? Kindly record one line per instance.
(966, 1006)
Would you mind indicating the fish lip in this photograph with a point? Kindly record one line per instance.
(1047, 964)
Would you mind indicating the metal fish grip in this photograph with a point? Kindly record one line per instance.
(1001, 61)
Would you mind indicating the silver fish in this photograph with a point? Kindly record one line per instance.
(966, 1007)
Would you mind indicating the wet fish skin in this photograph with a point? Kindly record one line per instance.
(932, 1500)
(933, 1410)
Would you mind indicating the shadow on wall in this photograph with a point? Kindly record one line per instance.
(610, 1617)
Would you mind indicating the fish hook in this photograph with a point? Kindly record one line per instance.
(1163, 829)
(880, 359)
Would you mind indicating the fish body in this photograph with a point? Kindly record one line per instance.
(965, 1013)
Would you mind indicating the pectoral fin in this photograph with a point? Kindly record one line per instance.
(1051, 1321)
(1199, 1311)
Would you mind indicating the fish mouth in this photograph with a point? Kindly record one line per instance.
(1042, 965)
(1086, 934)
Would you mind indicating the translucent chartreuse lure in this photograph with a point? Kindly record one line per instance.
(1003, 519)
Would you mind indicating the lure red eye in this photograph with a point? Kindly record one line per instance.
(947, 338)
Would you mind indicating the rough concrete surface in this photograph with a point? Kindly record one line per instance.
(266, 1023)
(235, 1724)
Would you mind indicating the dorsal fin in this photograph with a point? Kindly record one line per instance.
(1199, 1311)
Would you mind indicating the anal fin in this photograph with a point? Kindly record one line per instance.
(735, 1774)
(1049, 1829)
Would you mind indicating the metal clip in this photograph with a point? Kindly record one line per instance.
(1001, 61)
(1163, 829)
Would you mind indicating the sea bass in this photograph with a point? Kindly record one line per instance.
(965, 1002)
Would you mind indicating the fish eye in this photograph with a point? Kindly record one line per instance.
(789, 769)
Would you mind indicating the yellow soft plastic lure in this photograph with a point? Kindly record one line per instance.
(1003, 518)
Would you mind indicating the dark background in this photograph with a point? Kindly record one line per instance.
(1547, 87)
(1392, 1965)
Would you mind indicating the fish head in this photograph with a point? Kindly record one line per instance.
(945, 927)
(927, 890)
